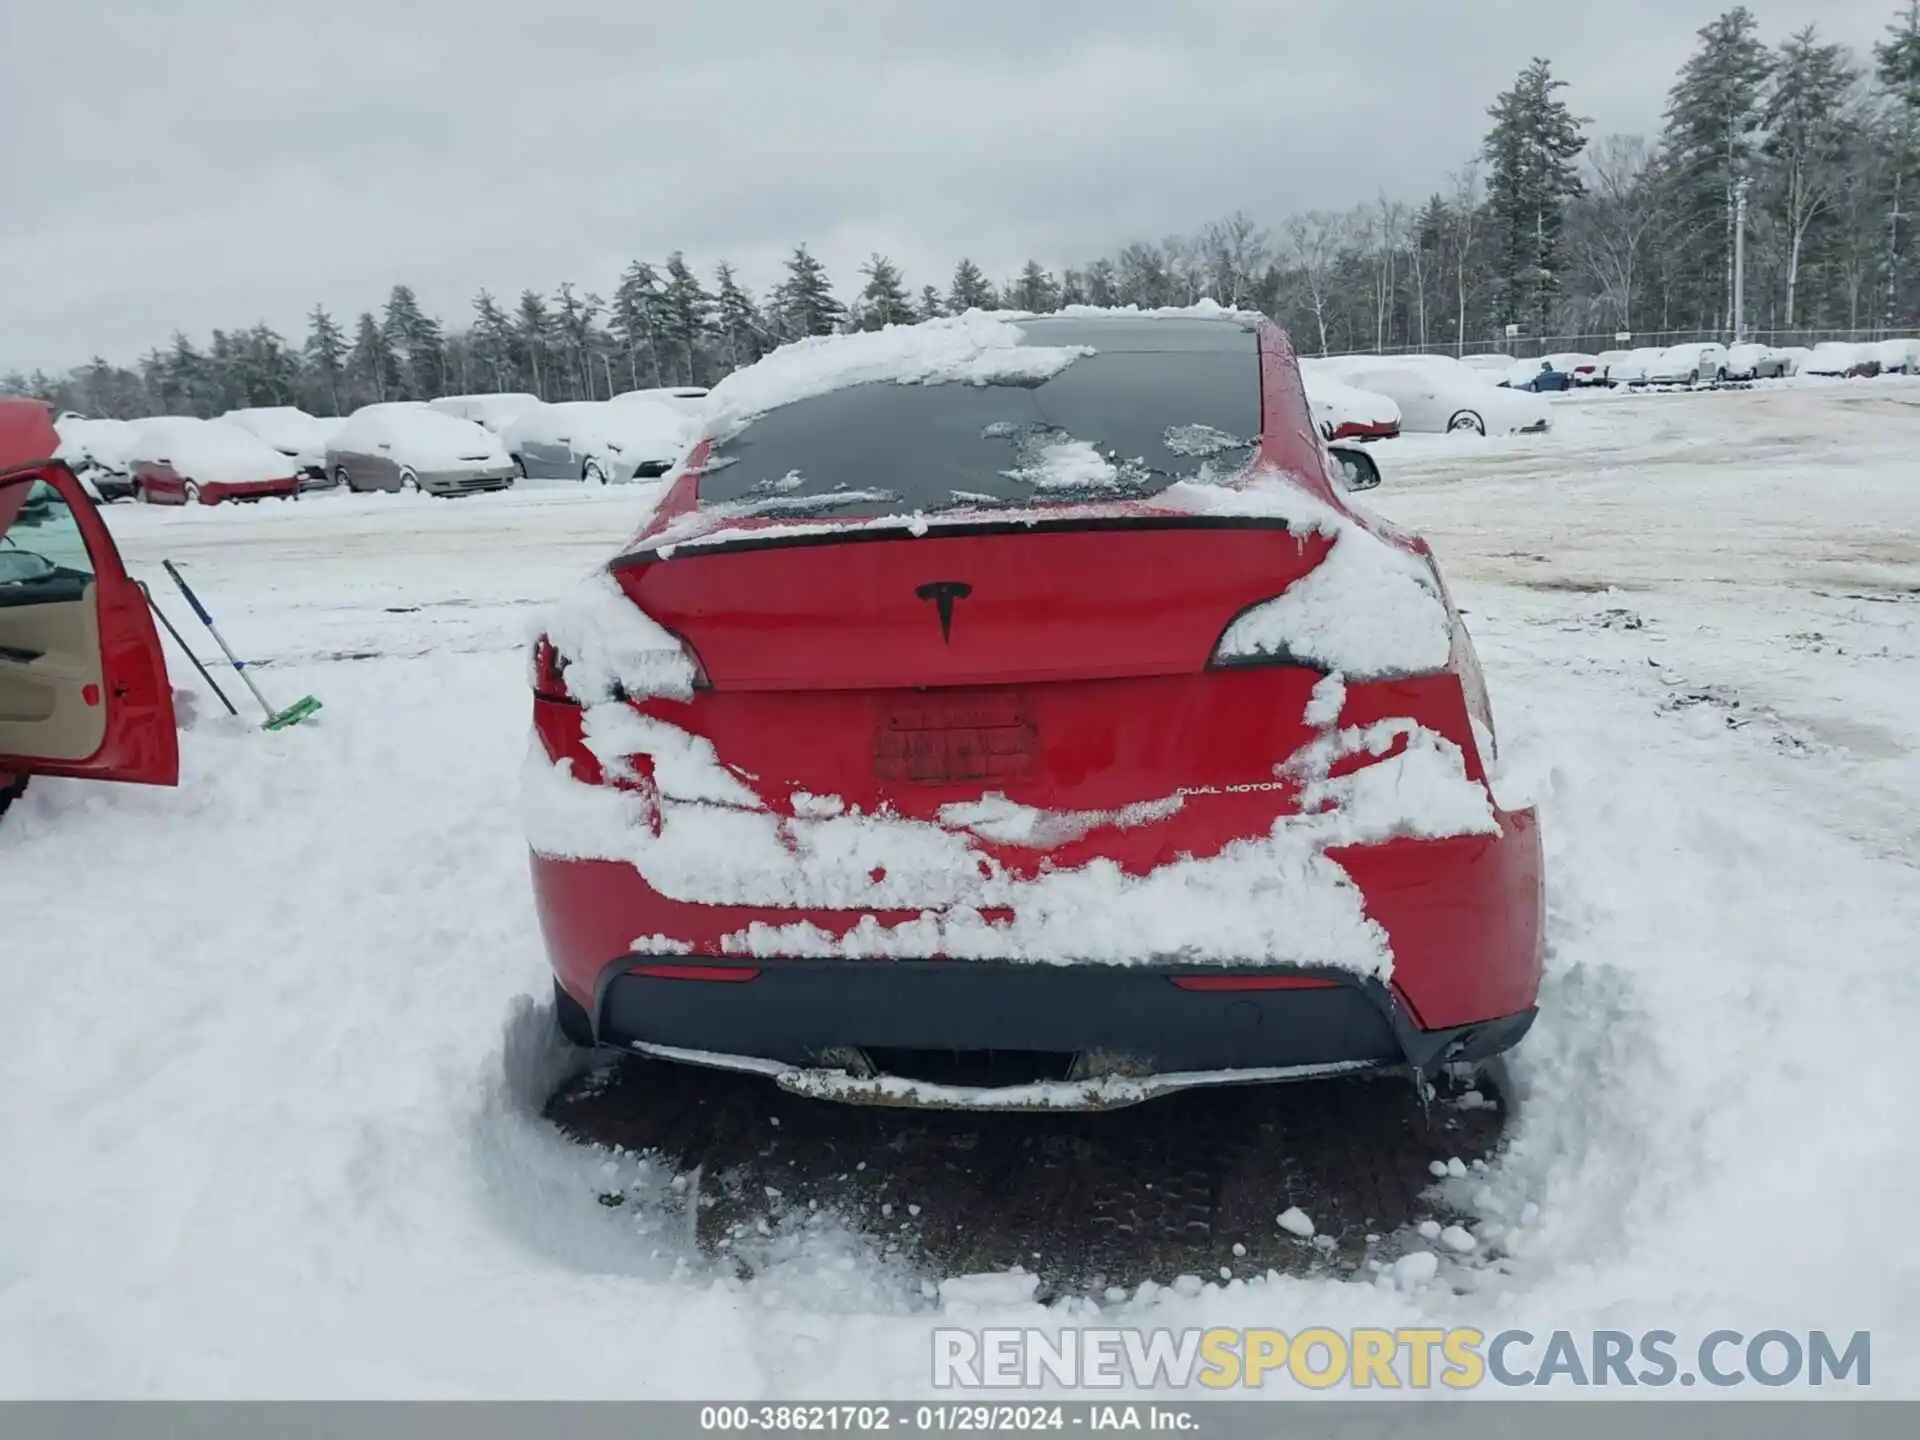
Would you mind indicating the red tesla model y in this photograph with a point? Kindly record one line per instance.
(1018, 711)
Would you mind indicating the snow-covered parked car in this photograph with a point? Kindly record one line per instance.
(1695, 363)
(1057, 706)
(180, 460)
(1550, 372)
(1794, 357)
(1603, 364)
(1631, 369)
(1341, 412)
(597, 441)
(1896, 357)
(301, 437)
(1436, 393)
(99, 452)
(1841, 359)
(406, 445)
(496, 412)
(83, 682)
(1751, 361)
(686, 399)
(1493, 367)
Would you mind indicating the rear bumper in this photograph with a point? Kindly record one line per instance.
(213, 492)
(461, 482)
(1116, 1035)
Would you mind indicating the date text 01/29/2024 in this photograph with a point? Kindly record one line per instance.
(976, 1419)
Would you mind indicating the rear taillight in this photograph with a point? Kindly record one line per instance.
(550, 673)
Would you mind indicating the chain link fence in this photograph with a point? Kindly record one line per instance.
(1525, 347)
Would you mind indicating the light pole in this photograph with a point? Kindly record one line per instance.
(1739, 259)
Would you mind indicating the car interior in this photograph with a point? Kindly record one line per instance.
(49, 632)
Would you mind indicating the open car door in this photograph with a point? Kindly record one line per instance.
(83, 681)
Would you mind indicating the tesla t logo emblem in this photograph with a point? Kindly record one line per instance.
(943, 593)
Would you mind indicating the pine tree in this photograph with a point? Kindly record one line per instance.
(1035, 290)
(326, 352)
(573, 329)
(1103, 284)
(373, 365)
(417, 342)
(742, 333)
(533, 332)
(970, 289)
(688, 310)
(803, 302)
(184, 377)
(1808, 142)
(635, 322)
(1073, 288)
(883, 300)
(1714, 112)
(930, 306)
(491, 339)
(1897, 66)
(1531, 151)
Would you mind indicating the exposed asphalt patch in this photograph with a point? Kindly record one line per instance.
(1152, 1192)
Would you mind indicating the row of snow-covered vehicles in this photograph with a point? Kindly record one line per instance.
(1371, 397)
(1703, 363)
(453, 445)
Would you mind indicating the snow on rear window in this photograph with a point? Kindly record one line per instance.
(1114, 424)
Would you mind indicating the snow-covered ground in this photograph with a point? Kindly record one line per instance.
(273, 1045)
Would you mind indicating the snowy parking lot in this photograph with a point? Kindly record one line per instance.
(276, 1045)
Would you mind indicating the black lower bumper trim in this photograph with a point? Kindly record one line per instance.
(795, 1011)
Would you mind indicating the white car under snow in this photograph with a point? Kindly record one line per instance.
(496, 411)
(1340, 412)
(1438, 394)
(297, 435)
(1695, 363)
(406, 445)
(598, 441)
(100, 452)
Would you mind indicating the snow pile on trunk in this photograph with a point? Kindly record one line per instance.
(977, 348)
(699, 832)
(1369, 609)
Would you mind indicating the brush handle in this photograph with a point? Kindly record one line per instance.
(186, 590)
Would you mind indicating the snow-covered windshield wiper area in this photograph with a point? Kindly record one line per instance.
(1115, 425)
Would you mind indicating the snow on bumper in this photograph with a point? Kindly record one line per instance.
(696, 834)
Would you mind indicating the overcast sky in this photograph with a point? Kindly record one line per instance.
(200, 163)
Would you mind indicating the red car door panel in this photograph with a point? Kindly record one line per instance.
(83, 681)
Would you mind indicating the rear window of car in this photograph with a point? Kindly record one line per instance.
(1117, 424)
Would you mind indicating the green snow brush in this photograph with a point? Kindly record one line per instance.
(276, 719)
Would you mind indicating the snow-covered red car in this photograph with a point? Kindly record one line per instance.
(1340, 412)
(1018, 712)
(83, 681)
(179, 460)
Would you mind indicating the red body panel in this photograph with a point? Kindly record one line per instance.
(141, 744)
(1073, 605)
(161, 484)
(1365, 430)
(1075, 677)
